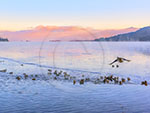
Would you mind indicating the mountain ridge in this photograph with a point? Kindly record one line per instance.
(143, 34)
(61, 33)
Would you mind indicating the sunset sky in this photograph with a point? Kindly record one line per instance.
(99, 14)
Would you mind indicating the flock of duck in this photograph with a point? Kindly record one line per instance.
(60, 75)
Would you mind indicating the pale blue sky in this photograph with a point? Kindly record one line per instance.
(101, 14)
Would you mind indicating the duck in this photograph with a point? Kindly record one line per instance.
(107, 81)
(87, 79)
(60, 72)
(74, 82)
(123, 80)
(25, 76)
(49, 70)
(33, 78)
(81, 81)
(144, 83)
(11, 73)
(128, 79)
(110, 77)
(18, 78)
(120, 82)
(55, 78)
(4, 70)
(104, 81)
(120, 60)
(117, 78)
(116, 81)
(65, 73)
(55, 72)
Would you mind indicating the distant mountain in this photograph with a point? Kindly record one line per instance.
(142, 34)
(3, 39)
(69, 33)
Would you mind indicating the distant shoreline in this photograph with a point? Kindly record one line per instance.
(75, 41)
(4, 40)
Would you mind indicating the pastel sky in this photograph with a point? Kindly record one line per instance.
(99, 14)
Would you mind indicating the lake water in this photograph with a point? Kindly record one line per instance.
(76, 58)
